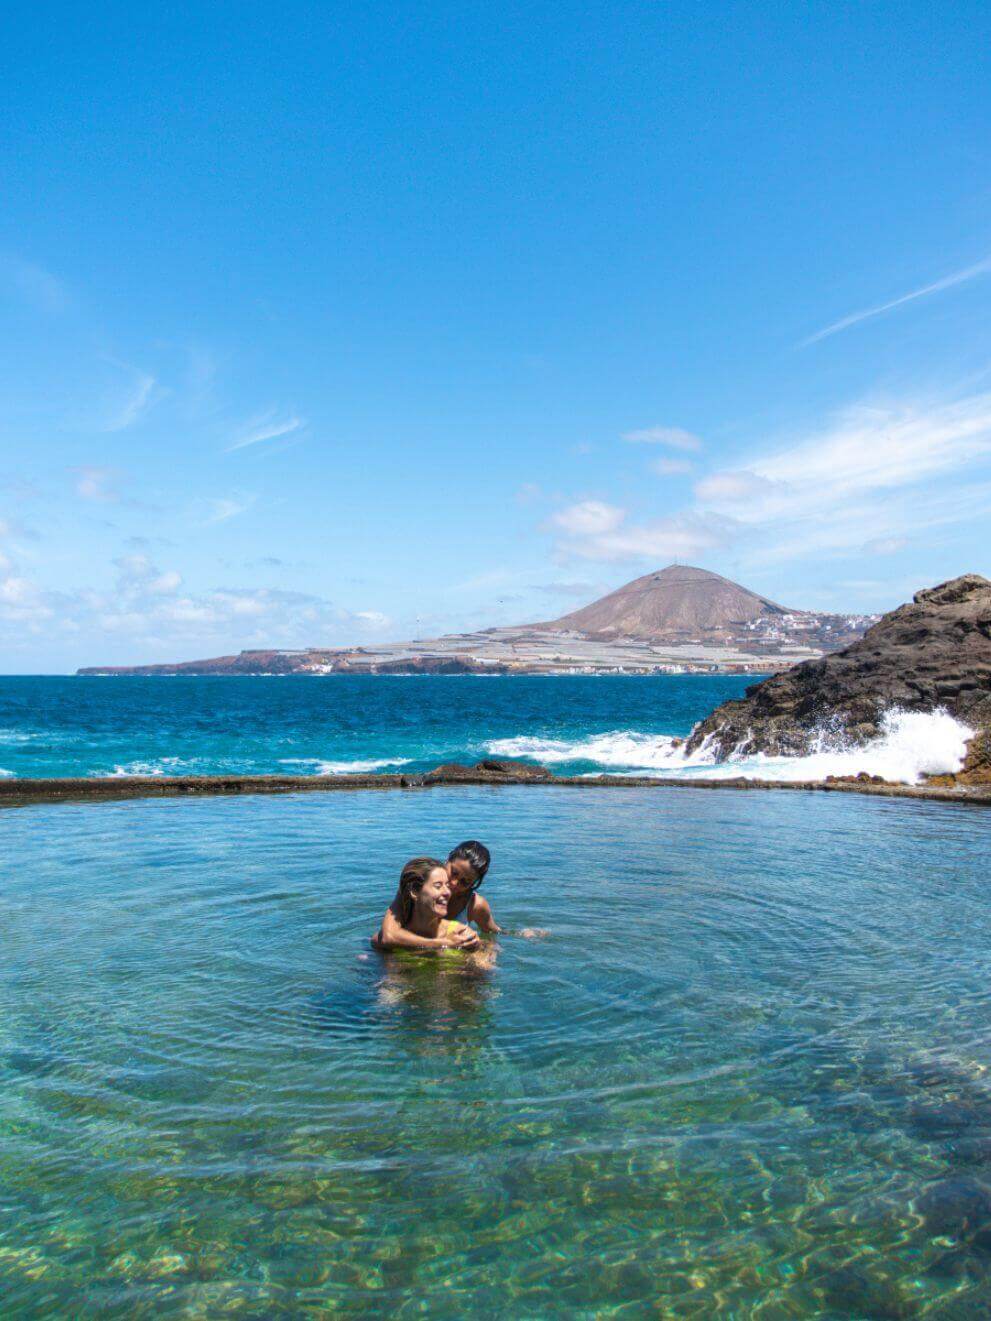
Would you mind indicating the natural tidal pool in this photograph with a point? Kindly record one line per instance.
(747, 1072)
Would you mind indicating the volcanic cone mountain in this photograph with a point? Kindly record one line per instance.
(671, 604)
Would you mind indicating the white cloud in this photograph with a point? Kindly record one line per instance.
(589, 518)
(885, 545)
(137, 573)
(146, 607)
(267, 427)
(92, 483)
(597, 531)
(674, 437)
(374, 618)
(671, 467)
(16, 591)
(866, 451)
(870, 476)
(729, 488)
(947, 282)
(866, 483)
(221, 508)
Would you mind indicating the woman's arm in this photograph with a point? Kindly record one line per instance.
(481, 914)
(393, 935)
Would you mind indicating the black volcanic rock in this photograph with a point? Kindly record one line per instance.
(488, 772)
(933, 652)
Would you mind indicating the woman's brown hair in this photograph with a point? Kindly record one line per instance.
(411, 881)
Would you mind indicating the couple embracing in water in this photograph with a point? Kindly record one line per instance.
(432, 895)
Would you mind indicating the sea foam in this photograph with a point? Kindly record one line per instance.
(625, 748)
(318, 767)
(911, 744)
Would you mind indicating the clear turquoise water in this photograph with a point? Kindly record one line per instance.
(745, 1074)
(205, 726)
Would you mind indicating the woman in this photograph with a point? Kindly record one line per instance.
(419, 912)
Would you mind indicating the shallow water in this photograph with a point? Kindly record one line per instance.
(745, 1074)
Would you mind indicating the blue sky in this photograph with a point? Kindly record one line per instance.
(326, 324)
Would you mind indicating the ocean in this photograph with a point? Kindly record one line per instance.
(337, 724)
(744, 1072)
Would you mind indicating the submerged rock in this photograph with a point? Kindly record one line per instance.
(960, 1208)
(933, 653)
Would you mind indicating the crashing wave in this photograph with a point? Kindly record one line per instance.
(624, 748)
(911, 745)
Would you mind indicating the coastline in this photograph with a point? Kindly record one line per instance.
(20, 792)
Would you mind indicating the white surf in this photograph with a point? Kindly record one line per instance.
(911, 745)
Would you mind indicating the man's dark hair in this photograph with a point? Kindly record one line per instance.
(476, 855)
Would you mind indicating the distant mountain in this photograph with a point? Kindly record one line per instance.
(678, 618)
(673, 603)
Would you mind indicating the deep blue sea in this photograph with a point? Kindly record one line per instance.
(335, 724)
(745, 1071)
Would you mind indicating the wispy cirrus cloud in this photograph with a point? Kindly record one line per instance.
(938, 286)
(874, 477)
(269, 426)
(869, 482)
(38, 287)
(218, 509)
(866, 449)
(138, 395)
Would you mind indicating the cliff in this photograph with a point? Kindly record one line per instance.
(933, 652)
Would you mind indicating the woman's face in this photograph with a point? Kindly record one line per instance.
(462, 875)
(434, 894)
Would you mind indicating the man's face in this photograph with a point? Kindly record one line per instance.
(462, 875)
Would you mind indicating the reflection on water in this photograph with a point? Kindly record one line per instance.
(747, 1072)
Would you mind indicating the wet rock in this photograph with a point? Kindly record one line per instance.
(971, 1149)
(862, 778)
(488, 772)
(935, 1073)
(933, 652)
(960, 1208)
(853, 1291)
(947, 1119)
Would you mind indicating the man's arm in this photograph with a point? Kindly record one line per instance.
(481, 914)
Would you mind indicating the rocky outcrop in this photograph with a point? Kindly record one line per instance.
(489, 772)
(933, 652)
